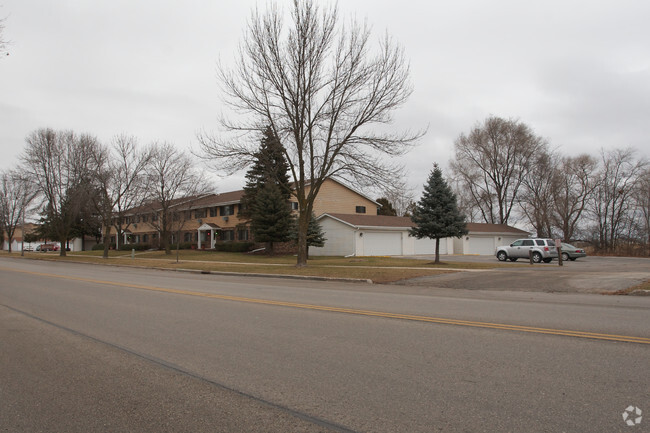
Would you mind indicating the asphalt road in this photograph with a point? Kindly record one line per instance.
(87, 348)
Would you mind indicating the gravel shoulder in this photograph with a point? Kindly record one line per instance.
(588, 275)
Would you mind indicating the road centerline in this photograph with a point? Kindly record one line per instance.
(352, 311)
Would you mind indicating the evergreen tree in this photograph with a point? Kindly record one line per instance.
(270, 166)
(315, 234)
(436, 214)
(386, 207)
(270, 216)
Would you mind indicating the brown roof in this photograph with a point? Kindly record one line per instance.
(359, 220)
(495, 228)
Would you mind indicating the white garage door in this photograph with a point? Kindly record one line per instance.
(479, 245)
(382, 244)
(428, 246)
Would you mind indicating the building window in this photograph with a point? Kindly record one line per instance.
(227, 210)
(213, 211)
(200, 213)
(228, 235)
(154, 217)
(294, 205)
(361, 209)
(242, 235)
(145, 238)
(187, 237)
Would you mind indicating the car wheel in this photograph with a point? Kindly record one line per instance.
(537, 257)
(565, 257)
(513, 259)
(547, 260)
(502, 256)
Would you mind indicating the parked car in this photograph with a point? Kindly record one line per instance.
(47, 247)
(569, 252)
(28, 248)
(542, 250)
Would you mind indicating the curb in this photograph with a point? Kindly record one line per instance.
(291, 277)
(234, 274)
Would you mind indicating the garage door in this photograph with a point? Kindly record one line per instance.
(483, 246)
(382, 244)
(428, 246)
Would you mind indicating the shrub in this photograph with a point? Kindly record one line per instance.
(137, 247)
(97, 247)
(234, 247)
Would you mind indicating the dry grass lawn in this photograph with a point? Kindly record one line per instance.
(377, 269)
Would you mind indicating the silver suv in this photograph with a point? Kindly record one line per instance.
(542, 250)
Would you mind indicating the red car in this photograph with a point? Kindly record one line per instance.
(47, 247)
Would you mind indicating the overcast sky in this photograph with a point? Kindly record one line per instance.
(577, 72)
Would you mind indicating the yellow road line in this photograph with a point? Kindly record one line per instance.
(369, 313)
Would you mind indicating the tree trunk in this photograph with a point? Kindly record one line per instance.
(437, 260)
(107, 240)
(303, 226)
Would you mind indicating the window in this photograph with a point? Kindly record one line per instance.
(294, 205)
(200, 213)
(187, 237)
(242, 235)
(228, 235)
(145, 218)
(540, 242)
(154, 217)
(361, 209)
(528, 243)
(227, 210)
(145, 238)
(213, 211)
(517, 243)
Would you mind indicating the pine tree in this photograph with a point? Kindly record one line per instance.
(270, 216)
(386, 207)
(436, 214)
(315, 234)
(270, 166)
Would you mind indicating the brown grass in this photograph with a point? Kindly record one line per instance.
(377, 269)
(639, 287)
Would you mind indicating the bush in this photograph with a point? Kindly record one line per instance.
(234, 247)
(98, 247)
(137, 247)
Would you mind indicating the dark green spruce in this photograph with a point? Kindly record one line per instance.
(436, 214)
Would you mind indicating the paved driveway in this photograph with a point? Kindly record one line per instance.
(586, 275)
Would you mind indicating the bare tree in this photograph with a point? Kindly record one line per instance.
(324, 94)
(536, 196)
(16, 192)
(60, 166)
(573, 186)
(491, 163)
(642, 198)
(400, 195)
(120, 183)
(612, 200)
(3, 42)
(173, 183)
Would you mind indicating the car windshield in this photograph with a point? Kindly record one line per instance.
(550, 242)
(564, 245)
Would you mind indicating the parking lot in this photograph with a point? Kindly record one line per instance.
(585, 275)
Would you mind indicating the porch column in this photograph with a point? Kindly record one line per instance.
(212, 242)
(199, 238)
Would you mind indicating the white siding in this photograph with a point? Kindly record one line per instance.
(340, 239)
(428, 246)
